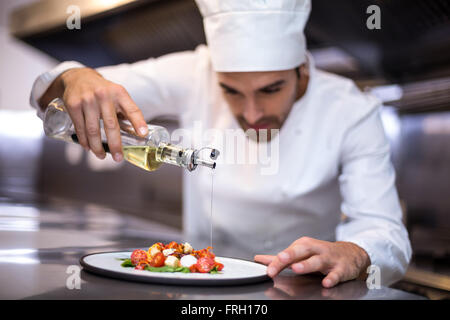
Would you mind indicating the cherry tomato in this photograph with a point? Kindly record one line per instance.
(218, 265)
(140, 266)
(138, 256)
(157, 260)
(193, 268)
(205, 264)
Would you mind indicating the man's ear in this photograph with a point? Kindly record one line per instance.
(304, 71)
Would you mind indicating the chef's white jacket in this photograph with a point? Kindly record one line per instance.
(331, 158)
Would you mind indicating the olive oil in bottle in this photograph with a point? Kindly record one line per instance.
(142, 156)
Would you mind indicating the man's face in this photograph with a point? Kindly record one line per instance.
(262, 100)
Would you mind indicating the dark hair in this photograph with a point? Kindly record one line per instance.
(297, 71)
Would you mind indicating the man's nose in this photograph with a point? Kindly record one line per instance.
(252, 113)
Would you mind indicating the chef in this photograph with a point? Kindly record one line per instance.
(326, 203)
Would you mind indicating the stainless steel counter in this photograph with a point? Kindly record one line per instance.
(38, 242)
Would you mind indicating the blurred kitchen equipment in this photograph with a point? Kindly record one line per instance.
(111, 32)
(412, 44)
(420, 136)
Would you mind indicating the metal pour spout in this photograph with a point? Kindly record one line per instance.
(198, 160)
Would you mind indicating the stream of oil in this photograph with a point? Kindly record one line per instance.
(211, 208)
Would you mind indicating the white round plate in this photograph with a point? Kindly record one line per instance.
(235, 271)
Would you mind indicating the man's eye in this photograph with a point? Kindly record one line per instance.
(270, 90)
(231, 92)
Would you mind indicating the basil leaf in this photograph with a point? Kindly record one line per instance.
(215, 270)
(160, 269)
(167, 269)
(127, 263)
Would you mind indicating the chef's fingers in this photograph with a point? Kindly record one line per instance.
(313, 264)
(75, 110)
(285, 258)
(132, 111)
(264, 258)
(111, 126)
(333, 278)
(300, 249)
(92, 118)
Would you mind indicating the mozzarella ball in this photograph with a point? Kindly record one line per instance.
(187, 261)
(172, 261)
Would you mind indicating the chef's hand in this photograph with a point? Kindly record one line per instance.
(339, 261)
(88, 97)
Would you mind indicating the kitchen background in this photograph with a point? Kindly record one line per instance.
(406, 63)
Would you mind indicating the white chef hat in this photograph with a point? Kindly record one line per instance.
(255, 35)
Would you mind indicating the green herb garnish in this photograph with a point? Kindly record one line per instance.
(214, 270)
(127, 263)
(167, 269)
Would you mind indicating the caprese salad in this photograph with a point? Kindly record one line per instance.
(174, 257)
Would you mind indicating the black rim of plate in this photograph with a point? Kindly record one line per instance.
(172, 281)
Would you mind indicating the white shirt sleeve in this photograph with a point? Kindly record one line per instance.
(157, 85)
(370, 199)
(43, 82)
